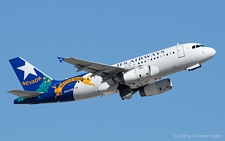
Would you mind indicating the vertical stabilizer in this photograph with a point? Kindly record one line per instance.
(30, 77)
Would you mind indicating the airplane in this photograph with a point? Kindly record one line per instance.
(143, 74)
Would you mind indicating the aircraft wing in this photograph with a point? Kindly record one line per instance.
(24, 94)
(103, 70)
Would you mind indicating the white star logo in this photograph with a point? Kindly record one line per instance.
(28, 69)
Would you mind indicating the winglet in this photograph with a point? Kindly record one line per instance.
(60, 59)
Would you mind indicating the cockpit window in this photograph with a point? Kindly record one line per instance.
(197, 46)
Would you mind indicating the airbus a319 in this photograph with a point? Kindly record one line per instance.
(144, 74)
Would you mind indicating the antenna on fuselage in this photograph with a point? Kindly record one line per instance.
(178, 44)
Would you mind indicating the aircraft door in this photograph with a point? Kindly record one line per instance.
(180, 51)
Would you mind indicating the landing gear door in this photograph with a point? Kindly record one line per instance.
(180, 51)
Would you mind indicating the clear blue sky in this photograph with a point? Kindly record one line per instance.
(109, 32)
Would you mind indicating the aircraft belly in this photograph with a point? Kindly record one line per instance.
(106, 89)
(85, 91)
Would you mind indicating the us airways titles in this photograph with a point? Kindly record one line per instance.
(141, 58)
(26, 83)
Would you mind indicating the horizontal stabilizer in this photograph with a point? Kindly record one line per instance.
(24, 94)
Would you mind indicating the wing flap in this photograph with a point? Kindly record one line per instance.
(24, 94)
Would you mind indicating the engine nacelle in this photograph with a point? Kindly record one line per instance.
(138, 73)
(156, 88)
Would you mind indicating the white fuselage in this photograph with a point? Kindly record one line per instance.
(162, 62)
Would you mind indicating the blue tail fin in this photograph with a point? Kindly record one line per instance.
(29, 76)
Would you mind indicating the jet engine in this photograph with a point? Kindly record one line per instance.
(138, 73)
(158, 87)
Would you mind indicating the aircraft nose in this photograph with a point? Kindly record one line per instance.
(212, 52)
